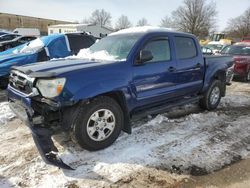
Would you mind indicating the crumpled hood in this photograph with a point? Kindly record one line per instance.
(57, 67)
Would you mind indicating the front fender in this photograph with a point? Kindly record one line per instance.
(98, 88)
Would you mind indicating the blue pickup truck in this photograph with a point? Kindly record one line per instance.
(129, 74)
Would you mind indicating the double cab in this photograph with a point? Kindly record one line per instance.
(128, 74)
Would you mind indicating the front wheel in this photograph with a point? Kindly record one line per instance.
(98, 123)
(212, 97)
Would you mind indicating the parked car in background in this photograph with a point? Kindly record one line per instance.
(216, 47)
(27, 31)
(130, 73)
(241, 54)
(3, 33)
(246, 39)
(15, 42)
(8, 37)
(206, 51)
(42, 49)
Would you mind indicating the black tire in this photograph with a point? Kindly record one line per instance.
(87, 110)
(4, 82)
(206, 102)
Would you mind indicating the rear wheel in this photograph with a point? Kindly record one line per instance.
(212, 97)
(98, 124)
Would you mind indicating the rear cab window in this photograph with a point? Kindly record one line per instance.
(185, 48)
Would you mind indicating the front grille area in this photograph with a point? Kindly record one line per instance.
(21, 82)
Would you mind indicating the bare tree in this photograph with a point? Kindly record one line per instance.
(100, 17)
(167, 22)
(195, 16)
(123, 23)
(142, 22)
(85, 21)
(240, 26)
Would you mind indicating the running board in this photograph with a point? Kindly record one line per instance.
(165, 107)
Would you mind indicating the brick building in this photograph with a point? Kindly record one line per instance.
(12, 21)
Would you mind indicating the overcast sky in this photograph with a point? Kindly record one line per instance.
(152, 10)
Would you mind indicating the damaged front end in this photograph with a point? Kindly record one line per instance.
(42, 119)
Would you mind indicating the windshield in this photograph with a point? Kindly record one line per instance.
(7, 37)
(31, 47)
(115, 47)
(237, 50)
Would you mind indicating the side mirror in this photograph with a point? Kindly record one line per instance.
(145, 55)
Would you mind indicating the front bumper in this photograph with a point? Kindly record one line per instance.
(21, 106)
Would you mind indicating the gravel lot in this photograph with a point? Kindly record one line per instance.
(161, 152)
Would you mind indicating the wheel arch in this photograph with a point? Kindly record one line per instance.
(218, 75)
(119, 97)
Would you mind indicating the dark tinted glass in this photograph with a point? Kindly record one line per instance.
(185, 48)
(78, 42)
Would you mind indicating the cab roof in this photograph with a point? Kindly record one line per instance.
(147, 30)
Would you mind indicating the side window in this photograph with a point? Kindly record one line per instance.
(78, 42)
(160, 50)
(26, 39)
(185, 48)
(7, 37)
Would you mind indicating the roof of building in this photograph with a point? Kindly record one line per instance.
(79, 25)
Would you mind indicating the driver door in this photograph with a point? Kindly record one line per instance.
(154, 80)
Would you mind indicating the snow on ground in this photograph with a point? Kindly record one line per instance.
(5, 113)
(183, 141)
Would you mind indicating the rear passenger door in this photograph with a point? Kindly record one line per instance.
(190, 66)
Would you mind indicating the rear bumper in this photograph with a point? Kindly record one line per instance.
(21, 106)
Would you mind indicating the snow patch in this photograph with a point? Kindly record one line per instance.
(142, 29)
(6, 113)
(100, 55)
(235, 100)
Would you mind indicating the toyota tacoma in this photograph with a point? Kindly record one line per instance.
(131, 73)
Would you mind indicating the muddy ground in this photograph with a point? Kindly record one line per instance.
(186, 147)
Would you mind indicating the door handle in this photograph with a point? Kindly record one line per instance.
(171, 69)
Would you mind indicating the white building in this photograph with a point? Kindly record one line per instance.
(94, 29)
